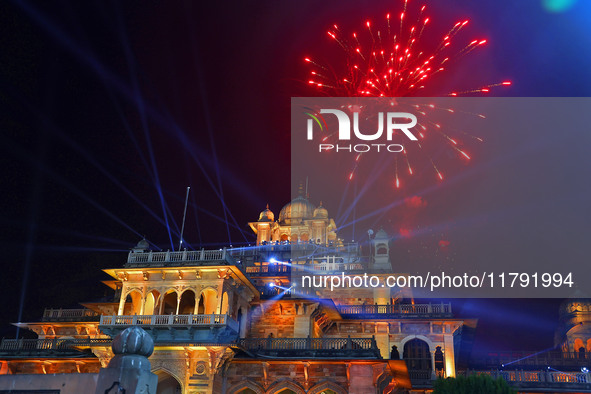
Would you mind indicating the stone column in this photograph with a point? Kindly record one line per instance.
(121, 303)
(450, 362)
(129, 369)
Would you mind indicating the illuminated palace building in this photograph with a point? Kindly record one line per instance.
(232, 321)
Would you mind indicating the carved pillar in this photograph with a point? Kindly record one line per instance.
(433, 374)
(142, 303)
(197, 298)
(450, 362)
(122, 303)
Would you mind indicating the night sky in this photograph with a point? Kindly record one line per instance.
(109, 110)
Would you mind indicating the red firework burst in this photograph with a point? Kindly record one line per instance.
(393, 59)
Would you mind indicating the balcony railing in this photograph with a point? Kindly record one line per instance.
(180, 257)
(40, 346)
(335, 267)
(525, 359)
(70, 315)
(170, 321)
(269, 270)
(398, 310)
(312, 347)
(528, 377)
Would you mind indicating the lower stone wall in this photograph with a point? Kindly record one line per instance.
(303, 377)
(63, 383)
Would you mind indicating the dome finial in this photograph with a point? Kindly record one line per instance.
(266, 215)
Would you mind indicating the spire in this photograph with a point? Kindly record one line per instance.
(301, 189)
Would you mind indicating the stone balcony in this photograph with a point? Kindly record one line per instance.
(176, 328)
(533, 360)
(15, 348)
(70, 315)
(396, 311)
(546, 380)
(185, 257)
(333, 348)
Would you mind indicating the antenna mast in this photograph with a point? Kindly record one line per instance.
(184, 217)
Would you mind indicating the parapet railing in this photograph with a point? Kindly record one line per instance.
(269, 270)
(555, 358)
(312, 347)
(542, 376)
(184, 256)
(283, 270)
(70, 315)
(170, 321)
(56, 344)
(396, 309)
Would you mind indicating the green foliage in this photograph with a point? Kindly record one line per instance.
(473, 384)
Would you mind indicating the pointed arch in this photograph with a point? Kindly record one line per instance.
(224, 307)
(169, 303)
(245, 385)
(151, 306)
(167, 381)
(209, 298)
(327, 385)
(286, 385)
(187, 303)
(135, 297)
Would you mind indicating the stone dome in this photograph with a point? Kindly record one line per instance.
(298, 209)
(381, 234)
(266, 215)
(575, 306)
(142, 246)
(320, 212)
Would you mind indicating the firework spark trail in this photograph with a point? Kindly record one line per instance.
(396, 61)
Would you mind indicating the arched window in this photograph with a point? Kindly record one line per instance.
(187, 303)
(224, 303)
(208, 302)
(136, 302)
(151, 307)
(439, 360)
(167, 384)
(578, 345)
(418, 356)
(169, 303)
(394, 353)
(246, 390)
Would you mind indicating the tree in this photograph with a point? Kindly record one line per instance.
(481, 384)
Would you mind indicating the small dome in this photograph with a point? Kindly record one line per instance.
(267, 215)
(574, 306)
(381, 234)
(320, 212)
(142, 246)
(298, 209)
